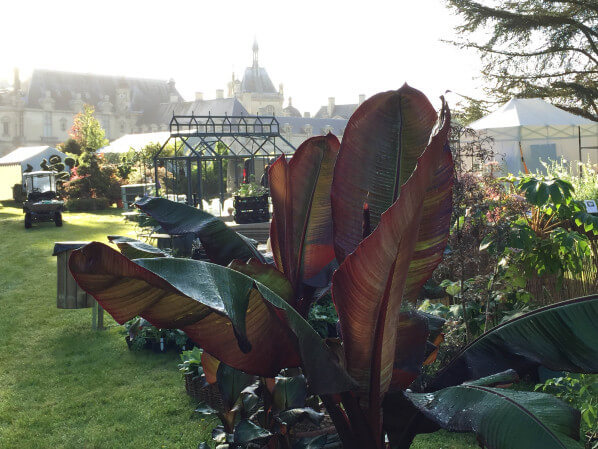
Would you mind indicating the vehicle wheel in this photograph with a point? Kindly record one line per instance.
(58, 219)
(27, 220)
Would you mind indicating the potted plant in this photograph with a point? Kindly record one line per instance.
(251, 204)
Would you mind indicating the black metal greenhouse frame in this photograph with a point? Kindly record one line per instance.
(244, 136)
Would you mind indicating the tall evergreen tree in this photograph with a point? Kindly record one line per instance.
(536, 48)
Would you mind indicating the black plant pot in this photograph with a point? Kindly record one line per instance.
(251, 209)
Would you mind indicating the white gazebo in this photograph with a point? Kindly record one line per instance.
(536, 130)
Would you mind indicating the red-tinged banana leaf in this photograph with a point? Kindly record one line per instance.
(265, 274)
(134, 249)
(301, 229)
(503, 419)
(368, 286)
(417, 345)
(233, 317)
(561, 337)
(380, 147)
(210, 365)
(410, 350)
(220, 242)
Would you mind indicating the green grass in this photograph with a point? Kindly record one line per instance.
(63, 385)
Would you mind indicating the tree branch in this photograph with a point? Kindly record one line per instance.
(549, 75)
(523, 54)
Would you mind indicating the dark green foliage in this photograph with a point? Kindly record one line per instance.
(143, 335)
(18, 194)
(70, 146)
(323, 317)
(134, 249)
(528, 341)
(54, 163)
(191, 363)
(502, 418)
(536, 48)
(581, 392)
(222, 244)
(86, 204)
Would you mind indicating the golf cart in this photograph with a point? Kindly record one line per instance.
(41, 204)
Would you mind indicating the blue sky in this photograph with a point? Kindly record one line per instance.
(316, 49)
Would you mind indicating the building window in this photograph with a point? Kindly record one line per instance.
(63, 124)
(47, 124)
(5, 127)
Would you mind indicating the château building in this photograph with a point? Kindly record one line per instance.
(40, 111)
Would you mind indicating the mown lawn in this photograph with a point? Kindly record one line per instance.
(63, 385)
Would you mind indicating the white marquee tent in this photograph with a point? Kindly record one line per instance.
(135, 142)
(539, 130)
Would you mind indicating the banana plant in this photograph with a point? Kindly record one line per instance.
(386, 221)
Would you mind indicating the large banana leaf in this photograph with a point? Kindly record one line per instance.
(221, 243)
(380, 147)
(232, 316)
(301, 230)
(135, 249)
(368, 286)
(265, 274)
(411, 349)
(503, 419)
(561, 337)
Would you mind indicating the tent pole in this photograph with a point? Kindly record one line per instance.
(525, 170)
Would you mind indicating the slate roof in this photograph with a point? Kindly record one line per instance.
(318, 125)
(256, 80)
(145, 94)
(340, 110)
(217, 106)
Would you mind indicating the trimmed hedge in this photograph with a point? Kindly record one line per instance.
(86, 204)
(18, 194)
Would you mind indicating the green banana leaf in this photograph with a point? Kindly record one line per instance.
(233, 317)
(561, 337)
(503, 419)
(220, 242)
(134, 249)
(266, 274)
(380, 147)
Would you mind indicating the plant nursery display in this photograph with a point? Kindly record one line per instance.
(365, 222)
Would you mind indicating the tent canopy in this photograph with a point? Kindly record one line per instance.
(135, 142)
(534, 118)
(537, 131)
(528, 112)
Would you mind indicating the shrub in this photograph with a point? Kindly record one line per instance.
(86, 204)
(18, 194)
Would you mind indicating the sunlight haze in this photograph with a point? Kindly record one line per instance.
(315, 49)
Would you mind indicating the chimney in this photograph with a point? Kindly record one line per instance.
(330, 106)
(361, 98)
(16, 85)
(306, 115)
(198, 96)
(219, 93)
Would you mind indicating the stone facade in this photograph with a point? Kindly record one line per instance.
(41, 110)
